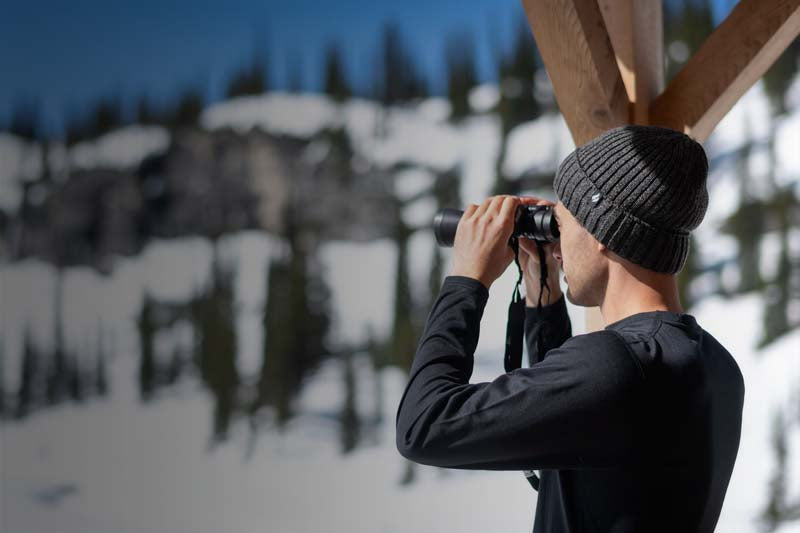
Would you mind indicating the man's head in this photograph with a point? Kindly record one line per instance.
(631, 195)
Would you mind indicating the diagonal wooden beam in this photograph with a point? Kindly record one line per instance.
(572, 38)
(728, 63)
(636, 30)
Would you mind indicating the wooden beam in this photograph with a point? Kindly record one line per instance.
(728, 63)
(636, 30)
(577, 53)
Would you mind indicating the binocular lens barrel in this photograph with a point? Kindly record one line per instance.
(531, 221)
(445, 224)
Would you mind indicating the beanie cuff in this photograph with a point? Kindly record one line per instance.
(658, 249)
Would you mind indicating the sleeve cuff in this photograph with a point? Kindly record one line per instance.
(551, 311)
(468, 283)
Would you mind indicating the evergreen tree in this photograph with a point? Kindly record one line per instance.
(105, 116)
(335, 79)
(216, 319)
(277, 377)
(461, 75)
(517, 74)
(780, 75)
(58, 375)
(687, 24)
(145, 114)
(773, 514)
(100, 375)
(175, 367)
(398, 79)
(776, 319)
(24, 120)
(26, 394)
(350, 423)
(187, 109)
(251, 79)
(690, 271)
(296, 324)
(75, 379)
(100, 378)
(148, 372)
(404, 341)
(747, 225)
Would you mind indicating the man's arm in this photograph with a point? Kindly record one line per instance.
(575, 408)
(546, 328)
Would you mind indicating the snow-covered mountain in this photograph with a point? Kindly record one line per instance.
(115, 464)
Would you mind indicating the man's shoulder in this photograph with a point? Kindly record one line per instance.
(598, 349)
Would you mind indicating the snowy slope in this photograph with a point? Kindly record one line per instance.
(115, 465)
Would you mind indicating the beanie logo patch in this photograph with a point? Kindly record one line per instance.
(595, 198)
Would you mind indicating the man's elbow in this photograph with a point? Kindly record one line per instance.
(419, 450)
(403, 446)
(409, 447)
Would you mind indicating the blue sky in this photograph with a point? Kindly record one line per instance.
(67, 56)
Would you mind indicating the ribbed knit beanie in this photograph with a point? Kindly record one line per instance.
(639, 190)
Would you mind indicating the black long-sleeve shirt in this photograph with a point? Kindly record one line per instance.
(635, 428)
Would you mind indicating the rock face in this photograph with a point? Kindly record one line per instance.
(205, 183)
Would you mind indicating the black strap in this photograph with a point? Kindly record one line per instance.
(516, 325)
(516, 319)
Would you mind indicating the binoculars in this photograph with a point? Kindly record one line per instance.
(530, 221)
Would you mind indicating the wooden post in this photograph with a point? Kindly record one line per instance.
(577, 53)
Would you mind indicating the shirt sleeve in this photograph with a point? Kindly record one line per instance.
(573, 409)
(546, 328)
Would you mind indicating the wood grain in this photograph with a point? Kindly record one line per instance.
(730, 61)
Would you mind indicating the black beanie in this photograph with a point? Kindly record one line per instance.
(639, 190)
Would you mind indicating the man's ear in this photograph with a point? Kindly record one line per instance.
(601, 247)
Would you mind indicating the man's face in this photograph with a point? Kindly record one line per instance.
(585, 267)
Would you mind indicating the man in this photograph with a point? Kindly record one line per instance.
(634, 428)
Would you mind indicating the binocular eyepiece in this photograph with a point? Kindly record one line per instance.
(530, 221)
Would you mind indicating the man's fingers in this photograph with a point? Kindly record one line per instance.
(469, 211)
(508, 209)
(533, 200)
(483, 207)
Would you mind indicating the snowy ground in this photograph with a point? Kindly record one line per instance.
(115, 465)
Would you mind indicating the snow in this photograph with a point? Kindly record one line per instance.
(748, 120)
(413, 181)
(538, 145)
(416, 133)
(300, 115)
(168, 270)
(362, 297)
(426, 142)
(483, 98)
(480, 149)
(122, 149)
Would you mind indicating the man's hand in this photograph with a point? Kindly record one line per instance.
(480, 248)
(531, 271)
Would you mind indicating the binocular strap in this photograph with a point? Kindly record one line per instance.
(516, 326)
